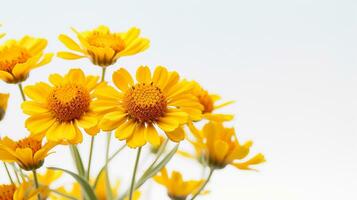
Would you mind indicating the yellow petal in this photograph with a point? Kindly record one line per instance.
(137, 139)
(39, 123)
(122, 79)
(152, 136)
(46, 59)
(112, 120)
(143, 74)
(125, 130)
(69, 43)
(69, 55)
(38, 92)
(5, 76)
(177, 135)
(160, 76)
(31, 108)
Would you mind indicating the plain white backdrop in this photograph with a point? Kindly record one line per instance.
(290, 65)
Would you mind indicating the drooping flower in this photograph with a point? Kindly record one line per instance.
(28, 153)
(136, 112)
(177, 188)
(209, 102)
(25, 191)
(3, 104)
(58, 110)
(218, 146)
(19, 57)
(102, 46)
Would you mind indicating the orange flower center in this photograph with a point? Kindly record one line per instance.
(31, 143)
(206, 101)
(145, 102)
(69, 102)
(7, 192)
(106, 40)
(10, 56)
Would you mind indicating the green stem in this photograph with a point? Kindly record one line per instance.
(159, 153)
(22, 92)
(103, 73)
(8, 173)
(204, 185)
(63, 194)
(90, 157)
(108, 184)
(134, 174)
(103, 168)
(36, 182)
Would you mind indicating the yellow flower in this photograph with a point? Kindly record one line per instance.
(218, 146)
(25, 191)
(58, 110)
(177, 188)
(28, 153)
(209, 102)
(136, 111)
(19, 57)
(3, 104)
(102, 46)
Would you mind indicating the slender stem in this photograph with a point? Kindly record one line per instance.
(108, 185)
(90, 157)
(159, 153)
(63, 194)
(16, 175)
(110, 159)
(134, 174)
(36, 182)
(22, 92)
(8, 173)
(103, 73)
(204, 185)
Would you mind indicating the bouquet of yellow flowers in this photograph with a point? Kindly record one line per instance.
(149, 109)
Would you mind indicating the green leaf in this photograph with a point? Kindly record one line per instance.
(86, 188)
(78, 160)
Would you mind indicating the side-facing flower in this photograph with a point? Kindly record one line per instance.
(28, 153)
(19, 57)
(209, 102)
(25, 191)
(177, 188)
(58, 110)
(218, 146)
(4, 98)
(102, 46)
(136, 112)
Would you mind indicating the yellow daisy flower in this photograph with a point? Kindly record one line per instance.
(219, 146)
(19, 57)
(58, 110)
(209, 102)
(25, 191)
(3, 104)
(177, 188)
(102, 46)
(161, 101)
(28, 153)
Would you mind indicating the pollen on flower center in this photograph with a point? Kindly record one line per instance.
(10, 56)
(206, 101)
(107, 40)
(31, 143)
(7, 192)
(69, 102)
(145, 102)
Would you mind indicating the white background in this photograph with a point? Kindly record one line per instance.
(290, 65)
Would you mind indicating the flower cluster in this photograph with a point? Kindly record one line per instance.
(154, 108)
